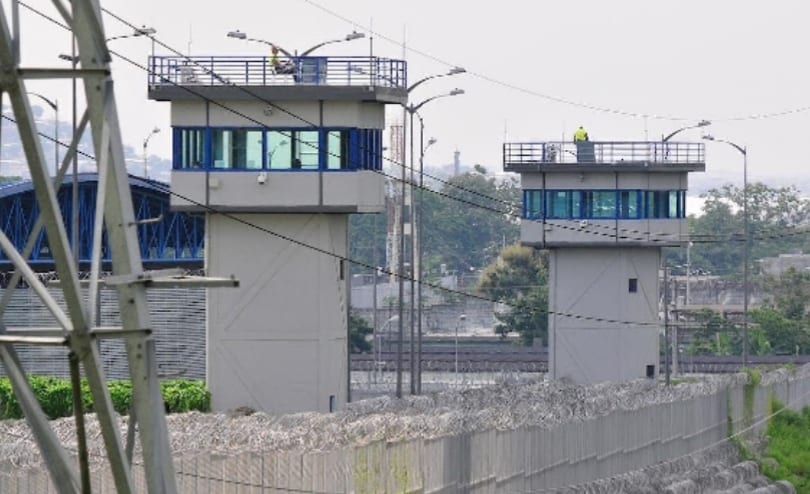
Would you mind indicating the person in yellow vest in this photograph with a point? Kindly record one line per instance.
(585, 152)
(581, 135)
(274, 61)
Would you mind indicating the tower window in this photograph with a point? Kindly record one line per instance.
(632, 285)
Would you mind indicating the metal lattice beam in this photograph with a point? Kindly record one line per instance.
(115, 203)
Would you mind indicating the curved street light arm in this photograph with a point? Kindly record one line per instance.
(739, 148)
(240, 35)
(453, 71)
(349, 37)
(415, 108)
(425, 79)
(53, 104)
(138, 31)
(146, 141)
(310, 50)
(702, 123)
(282, 50)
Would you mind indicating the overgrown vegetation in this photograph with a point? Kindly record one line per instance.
(519, 280)
(55, 396)
(787, 456)
(359, 333)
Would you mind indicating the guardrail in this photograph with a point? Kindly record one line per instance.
(261, 71)
(627, 152)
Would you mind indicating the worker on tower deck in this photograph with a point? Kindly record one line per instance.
(274, 58)
(585, 151)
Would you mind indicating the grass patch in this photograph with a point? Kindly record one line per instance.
(787, 456)
(684, 380)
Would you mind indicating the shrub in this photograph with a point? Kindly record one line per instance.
(55, 395)
(184, 395)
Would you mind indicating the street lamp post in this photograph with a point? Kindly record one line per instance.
(418, 262)
(413, 110)
(688, 271)
(55, 106)
(145, 155)
(747, 242)
(461, 320)
(74, 223)
(401, 231)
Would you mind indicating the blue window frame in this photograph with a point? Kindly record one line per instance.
(603, 204)
(533, 204)
(237, 149)
(309, 149)
(630, 204)
(666, 204)
(597, 204)
(189, 147)
(558, 204)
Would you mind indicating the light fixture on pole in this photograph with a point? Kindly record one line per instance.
(747, 242)
(665, 139)
(55, 106)
(416, 265)
(137, 32)
(452, 71)
(243, 36)
(702, 123)
(145, 155)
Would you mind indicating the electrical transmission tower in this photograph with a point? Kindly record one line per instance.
(76, 327)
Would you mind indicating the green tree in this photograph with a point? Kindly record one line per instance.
(471, 218)
(367, 237)
(784, 317)
(359, 330)
(519, 279)
(713, 334)
(718, 233)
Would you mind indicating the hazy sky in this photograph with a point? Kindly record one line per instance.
(676, 62)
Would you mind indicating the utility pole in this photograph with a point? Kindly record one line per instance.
(666, 323)
(675, 329)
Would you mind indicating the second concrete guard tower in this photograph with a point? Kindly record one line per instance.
(277, 154)
(604, 210)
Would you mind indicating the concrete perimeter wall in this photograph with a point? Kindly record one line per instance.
(525, 459)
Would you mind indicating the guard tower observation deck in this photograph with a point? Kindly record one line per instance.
(306, 133)
(596, 193)
(604, 210)
(289, 148)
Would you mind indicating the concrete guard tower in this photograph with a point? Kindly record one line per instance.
(271, 157)
(604, 210)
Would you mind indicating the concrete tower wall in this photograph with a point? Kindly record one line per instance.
(278, 343)
(602, 343)
(282, 114)
(604, 180)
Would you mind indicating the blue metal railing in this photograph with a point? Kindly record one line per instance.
(260, 71)
(628, 152)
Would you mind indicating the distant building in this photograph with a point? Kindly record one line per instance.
(777, 266)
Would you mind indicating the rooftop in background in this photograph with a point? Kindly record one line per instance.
(282, 78)
(527, 157)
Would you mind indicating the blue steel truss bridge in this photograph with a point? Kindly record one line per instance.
(166, 238)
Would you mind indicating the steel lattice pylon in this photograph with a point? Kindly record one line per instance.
(75, 326)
